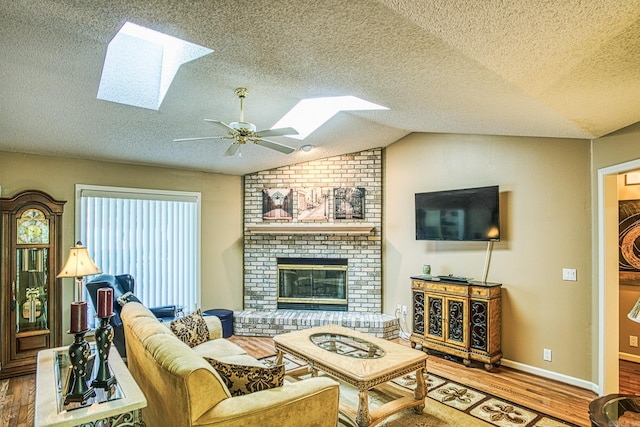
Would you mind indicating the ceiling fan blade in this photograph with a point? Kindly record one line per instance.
(220, 124)
(200, 138)
(232, 150)
(275, 146)
(277, 132)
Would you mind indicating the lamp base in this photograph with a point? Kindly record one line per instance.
(105, 384)
(79, 352)
(104, 336)
(80, 397)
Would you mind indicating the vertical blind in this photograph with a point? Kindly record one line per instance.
(150, 234)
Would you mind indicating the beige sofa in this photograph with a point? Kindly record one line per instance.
(182, 389)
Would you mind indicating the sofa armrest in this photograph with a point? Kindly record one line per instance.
(214, 325)
(314, 400)
(164, 311)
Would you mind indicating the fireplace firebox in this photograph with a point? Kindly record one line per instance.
(312, 284)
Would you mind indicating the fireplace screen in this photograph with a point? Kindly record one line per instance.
(319, 287)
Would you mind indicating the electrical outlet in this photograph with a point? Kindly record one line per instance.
(633, 341)
(569, 274)
(404, 309)
(398, 308)
(546, 355)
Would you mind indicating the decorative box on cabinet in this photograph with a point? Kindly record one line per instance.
(30, 294)
(461, 319)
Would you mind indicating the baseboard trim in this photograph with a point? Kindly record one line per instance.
(629, 357)
(566, 379)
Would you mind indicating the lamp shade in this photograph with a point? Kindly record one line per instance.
(79, 263)
(634, 314)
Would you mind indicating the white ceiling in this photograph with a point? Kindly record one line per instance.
(567, 68)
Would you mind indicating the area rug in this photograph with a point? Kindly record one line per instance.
(448, 404)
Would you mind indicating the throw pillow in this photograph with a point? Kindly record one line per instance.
(241, 379)
(191, 329)
(128, 297)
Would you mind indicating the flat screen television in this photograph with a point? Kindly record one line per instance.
(470, 214)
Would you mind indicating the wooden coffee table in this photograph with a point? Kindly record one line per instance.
(360, 360)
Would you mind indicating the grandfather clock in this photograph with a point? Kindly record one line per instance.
(30, 294)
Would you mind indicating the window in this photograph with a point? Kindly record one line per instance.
(151, 234)
(141, 64)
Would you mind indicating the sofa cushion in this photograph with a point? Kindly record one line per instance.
(191, 329)
(245, 379)
(242, 359)
(216, 349)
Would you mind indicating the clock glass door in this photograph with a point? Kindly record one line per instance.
(31, 289)
(31, 284)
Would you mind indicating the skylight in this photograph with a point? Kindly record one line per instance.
(140, 65)
(309, 114)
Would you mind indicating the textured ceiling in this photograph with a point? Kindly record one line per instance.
(566, 68)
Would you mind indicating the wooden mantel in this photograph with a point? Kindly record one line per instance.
(310, 228)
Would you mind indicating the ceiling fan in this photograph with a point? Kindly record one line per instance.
(242, 131)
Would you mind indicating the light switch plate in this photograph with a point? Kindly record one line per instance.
(569, 274)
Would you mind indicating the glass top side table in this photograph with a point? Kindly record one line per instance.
(615, 410)
(123, 408)
(62, 369)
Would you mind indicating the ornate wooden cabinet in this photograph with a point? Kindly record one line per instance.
(30, 294)
(462, 319)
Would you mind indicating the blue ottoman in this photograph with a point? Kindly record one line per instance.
(226, 318)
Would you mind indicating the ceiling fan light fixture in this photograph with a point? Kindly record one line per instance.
(306, 148)
(243, 125)
(242, 132)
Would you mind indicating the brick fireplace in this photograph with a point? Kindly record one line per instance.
(356, 242)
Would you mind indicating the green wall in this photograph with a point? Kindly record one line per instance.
(221, 248)
(546, 226)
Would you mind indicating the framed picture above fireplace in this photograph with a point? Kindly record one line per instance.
(348, 202)
(313, 204)
(277, 204)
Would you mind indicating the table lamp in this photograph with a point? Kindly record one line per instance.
(634, 314)
(79, 265)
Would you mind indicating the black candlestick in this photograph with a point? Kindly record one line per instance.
(104, 336)
(79, 351)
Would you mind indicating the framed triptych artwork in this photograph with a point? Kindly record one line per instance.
(277, 204)
(313, 204)
(348, 202)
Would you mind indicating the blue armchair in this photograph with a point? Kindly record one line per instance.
(121, 284)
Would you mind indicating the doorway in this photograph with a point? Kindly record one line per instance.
(607, 276)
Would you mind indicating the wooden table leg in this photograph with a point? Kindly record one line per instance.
(363, 419)
(421, 390)
(279, 358)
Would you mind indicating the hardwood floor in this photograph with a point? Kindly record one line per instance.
(17, 401)
(547, 396)
(629, 377)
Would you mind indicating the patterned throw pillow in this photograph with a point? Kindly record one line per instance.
(191, 329)
(241, 379)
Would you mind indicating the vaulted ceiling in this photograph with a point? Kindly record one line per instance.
(543, 68)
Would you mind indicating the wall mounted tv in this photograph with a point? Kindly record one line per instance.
(471, 214)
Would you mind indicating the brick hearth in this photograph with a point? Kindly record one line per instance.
(270, 323)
